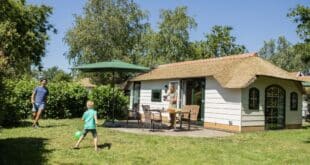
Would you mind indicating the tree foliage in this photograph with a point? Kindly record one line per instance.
(220, 42)
(23, 33)
(173, 34)
(301, 16)
(282, 53)
(286, 55)
(53, 74)
(108, 29)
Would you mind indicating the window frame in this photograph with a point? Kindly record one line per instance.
(293, 108)
(250, 100)
(160, 95)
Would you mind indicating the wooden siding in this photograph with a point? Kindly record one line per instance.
(222, 105)
(131, 95)
(304, 107)
(257, 117)
(146, 93)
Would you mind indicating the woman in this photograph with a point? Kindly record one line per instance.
(172, 95)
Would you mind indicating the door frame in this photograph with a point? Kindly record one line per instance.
(133, 94)
(184, 89)
(284, 105)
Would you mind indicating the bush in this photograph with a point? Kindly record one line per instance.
(65, 100)
(103, 99)
(16, 101)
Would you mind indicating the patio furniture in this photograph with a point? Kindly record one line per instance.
(156, 117)
(134, 114)
(151, 116)
(146, 115)
(173, 112)
(189, 113)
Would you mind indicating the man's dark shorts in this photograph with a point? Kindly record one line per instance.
(93, 132)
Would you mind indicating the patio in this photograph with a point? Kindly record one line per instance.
(196, 130)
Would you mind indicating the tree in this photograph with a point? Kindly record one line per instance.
(220, 42)
(173, 34)
(53, 74)
(108, 29)
(199, 49)
(23, 33)
(268, 50)
(301, 16)
(282, 53)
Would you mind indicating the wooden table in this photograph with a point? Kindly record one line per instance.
(173, 114)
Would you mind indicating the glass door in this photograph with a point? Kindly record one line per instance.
(136, 95)
(195, 94)
(275, 107)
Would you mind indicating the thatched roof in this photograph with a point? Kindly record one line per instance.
(304, 78)
(236, 71)
(301, 77)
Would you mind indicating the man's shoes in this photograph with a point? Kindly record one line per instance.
(35, 126)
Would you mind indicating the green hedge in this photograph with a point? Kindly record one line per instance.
(103, 99)
(65, 100)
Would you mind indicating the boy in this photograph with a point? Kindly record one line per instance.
(38, 100)
(90, 119)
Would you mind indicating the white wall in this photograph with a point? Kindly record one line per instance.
(257, 117)
(304, 108)
(222, 105)
(146, 93)
(131, 95)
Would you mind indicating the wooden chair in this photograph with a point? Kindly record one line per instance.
(151, 116)
(146, 114)
(156, 117)
(134, 114)
(189, 113)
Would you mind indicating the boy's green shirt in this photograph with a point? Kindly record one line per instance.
(89, 119)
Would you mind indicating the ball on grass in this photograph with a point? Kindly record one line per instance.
(78, 134)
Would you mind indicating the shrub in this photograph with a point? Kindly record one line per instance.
(65, 100)
(16, 104)
(103, 99)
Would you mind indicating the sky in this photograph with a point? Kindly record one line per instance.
(253, 21)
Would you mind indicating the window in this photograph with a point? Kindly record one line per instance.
(156, 95)
(294, 101)
(253, 98)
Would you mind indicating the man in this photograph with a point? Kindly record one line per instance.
(38, 100)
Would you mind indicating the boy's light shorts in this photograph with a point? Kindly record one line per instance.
(93, 132)
(38, 106)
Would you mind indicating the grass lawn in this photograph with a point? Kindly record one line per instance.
(52, 144)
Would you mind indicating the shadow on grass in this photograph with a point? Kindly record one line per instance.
(23, 150)
(101, 146)
(51, 126)
(105, 145)
(24, 123)
(306, 127)
(307, 141)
